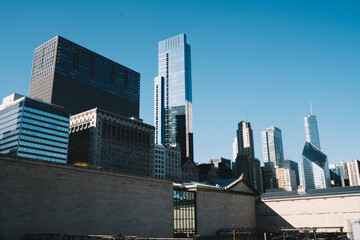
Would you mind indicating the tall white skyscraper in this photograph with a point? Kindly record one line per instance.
(272, 146)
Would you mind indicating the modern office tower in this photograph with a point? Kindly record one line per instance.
(167, 163)
(216, 161)
(285, 179)
(311, 130)
(112, 142)
(173, 96)
(314, 168)
(272, 147)
(354, 172)
(235, 148)
(336, 174)
(292, 165)
(78, 79)
(34, 129)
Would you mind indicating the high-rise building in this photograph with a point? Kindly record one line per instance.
(33, 128)
(112, 142)
(246, 164)
(235, 148)
(273, 147)
(354, 172)
(173, 96)
(292, 165)
(314, 168)
(311, 130)
(69, 75)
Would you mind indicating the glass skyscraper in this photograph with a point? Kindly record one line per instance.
(71, 76)
(33, 129)
(311, 130)
(272, 145)
(314, 167)
(173, 96)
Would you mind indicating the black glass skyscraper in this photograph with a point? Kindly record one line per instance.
(78, 79)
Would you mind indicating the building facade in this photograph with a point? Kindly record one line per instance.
(34, 129)
(173, 96)
(245, 159)
(353, 168)
(69, 75)
(314, 168)
(111, 142)
(272, 146)
(285, 179)
(311, 130)
(292, 165)
(167, 162)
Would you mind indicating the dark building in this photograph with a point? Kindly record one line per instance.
(207, 172)
(78, 79)
(246, 163)
(292, 165)
(111, 142)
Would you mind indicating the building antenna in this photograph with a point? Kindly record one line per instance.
(246, 114)
(310, 108)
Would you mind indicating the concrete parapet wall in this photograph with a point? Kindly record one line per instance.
(324, 211)
(40, 197)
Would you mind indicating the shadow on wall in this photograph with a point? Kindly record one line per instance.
(268, 218)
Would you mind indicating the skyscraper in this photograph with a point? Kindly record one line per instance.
(246, 164)
(173, 96)
(314, 168)
(311, 130)
(272, 147)
(66, 74)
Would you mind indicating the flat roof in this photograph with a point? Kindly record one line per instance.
(332, 191)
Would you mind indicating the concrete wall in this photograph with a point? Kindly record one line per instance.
(220, 209)
(40, 197)
(326, 211)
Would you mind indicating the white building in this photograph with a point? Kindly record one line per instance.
(353, 168)
(286, 179)
(167, 162)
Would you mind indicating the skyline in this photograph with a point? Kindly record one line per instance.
(313, 44)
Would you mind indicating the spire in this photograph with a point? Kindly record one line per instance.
(310, 108)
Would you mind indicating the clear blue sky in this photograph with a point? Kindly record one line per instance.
(269, 58)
